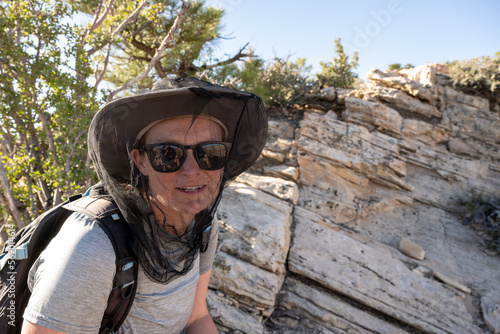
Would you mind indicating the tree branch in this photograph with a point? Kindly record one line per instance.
(130, 18)
(103, 72)
(50, 137)
(233, 59)
(8, 195)
(98, 22)
(120, 27)
(143, 47)
(166, 41)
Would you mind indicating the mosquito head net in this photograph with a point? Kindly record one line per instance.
(119, 127)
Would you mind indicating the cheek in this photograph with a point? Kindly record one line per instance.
(216, 178)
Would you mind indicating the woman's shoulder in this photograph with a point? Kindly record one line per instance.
(82, 242)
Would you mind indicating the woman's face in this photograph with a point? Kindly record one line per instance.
(182, 194)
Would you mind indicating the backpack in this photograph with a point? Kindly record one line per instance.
(21, 251)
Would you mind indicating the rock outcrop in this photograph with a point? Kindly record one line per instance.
(350, 222)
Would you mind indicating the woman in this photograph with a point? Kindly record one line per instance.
(164, 158)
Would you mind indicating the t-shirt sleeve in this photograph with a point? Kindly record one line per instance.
(72, 279)
(207, 258)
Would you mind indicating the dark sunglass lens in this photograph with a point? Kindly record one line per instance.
(212, 156)
(166, 158)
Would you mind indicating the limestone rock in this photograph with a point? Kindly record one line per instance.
(467, 121)
(397, 162)
(231, 317)
(411, 87)
(451, 282)
(450, 94)
(280, 157)
(365, 112)
(280, 129)
(327, 94)
(255, 226)
(373, 155)
(411, 249)
(370, 273)
(283, 170)
(491, 314)
(403, 101)
(249, 285)
(285, 190)
(327, 312)
(424, 74)
(425, 132)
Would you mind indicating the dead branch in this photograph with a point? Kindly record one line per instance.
(231, 60)
(166, 41)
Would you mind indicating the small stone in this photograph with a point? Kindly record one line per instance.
(273, 155)
(491, 314)
(327, 94)
(451, 282)
(411, 249)
(288, 171)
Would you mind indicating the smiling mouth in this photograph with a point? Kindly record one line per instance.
(190, 189)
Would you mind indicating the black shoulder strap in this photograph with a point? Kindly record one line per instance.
(105, 212)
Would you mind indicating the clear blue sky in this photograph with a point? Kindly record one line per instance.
(383, 32)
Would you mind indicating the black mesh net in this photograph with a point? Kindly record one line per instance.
(163, 254)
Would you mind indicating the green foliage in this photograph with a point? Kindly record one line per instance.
(397, 66)
(45, 107)
(478, 73)
(285, 82)
(220, 263)
(244, 76)
(143, 36)
(51, 66)
(339, 72)
(280, 82)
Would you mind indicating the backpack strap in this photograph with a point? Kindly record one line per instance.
(31, 241)
(105, 212)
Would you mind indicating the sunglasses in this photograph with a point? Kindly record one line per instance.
(168, 158)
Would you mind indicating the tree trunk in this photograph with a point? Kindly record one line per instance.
(8, 196)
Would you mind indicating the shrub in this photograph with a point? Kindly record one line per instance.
(484, 215)
(284, 82)
(280, 82)
(339, 72)
(477, 73)
(397, 66)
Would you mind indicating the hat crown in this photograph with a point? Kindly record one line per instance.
(188, 82)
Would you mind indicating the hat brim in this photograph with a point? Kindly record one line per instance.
(114, 129)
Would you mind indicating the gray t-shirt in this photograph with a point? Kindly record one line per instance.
(72, 279)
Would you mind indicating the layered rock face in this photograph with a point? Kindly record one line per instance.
(351, 223)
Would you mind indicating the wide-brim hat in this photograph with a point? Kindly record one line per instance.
(114, 130)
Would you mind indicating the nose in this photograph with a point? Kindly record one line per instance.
(190, 165)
